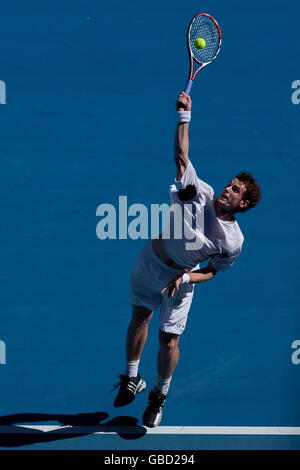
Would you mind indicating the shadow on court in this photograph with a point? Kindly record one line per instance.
(12, 435)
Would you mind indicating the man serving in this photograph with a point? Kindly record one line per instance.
(166, 271)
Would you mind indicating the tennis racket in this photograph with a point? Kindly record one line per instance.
(202, 26)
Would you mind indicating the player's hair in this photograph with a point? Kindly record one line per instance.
(253, 191)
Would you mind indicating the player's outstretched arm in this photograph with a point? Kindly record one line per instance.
(181, 145)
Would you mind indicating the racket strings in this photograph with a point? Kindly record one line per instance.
(204, 27)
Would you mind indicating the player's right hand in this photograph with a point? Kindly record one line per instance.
(184, 102)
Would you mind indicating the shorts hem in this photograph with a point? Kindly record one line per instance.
(170, 330)
(144, 304)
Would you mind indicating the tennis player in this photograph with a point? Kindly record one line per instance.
(166, 271)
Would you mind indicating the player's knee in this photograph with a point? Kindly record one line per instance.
(168, 340)
(141, 315)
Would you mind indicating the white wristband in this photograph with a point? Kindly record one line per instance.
(184, 116)
(186, 279)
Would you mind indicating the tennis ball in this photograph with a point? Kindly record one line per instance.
(199, 43)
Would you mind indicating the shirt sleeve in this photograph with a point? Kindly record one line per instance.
(190, 177)
(173, 191)
(223, 261)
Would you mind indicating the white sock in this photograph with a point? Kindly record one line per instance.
(132, 368)
(162, 385)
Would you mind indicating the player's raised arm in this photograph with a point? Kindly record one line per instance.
(181, 145)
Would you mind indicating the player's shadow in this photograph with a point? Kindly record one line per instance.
(14, 435)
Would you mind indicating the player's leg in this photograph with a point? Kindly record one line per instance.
(167, 360)
(146, 298)
(131, 382)
(168, 355)
(137, 332)
(173, 317)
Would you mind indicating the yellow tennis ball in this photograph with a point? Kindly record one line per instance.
(199, 43)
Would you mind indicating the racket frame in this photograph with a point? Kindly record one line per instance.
(193, 74)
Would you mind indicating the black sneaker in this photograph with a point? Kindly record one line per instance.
(153, 413)
(129, 386)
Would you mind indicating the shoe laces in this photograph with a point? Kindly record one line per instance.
(124, 380)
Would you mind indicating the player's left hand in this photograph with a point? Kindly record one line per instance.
(174, 284)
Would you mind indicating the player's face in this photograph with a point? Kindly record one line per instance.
(231, 197)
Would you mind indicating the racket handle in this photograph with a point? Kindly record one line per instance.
(188, 86)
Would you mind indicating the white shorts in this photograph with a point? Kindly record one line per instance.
(148, 278)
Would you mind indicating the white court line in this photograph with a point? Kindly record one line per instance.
(181, 430)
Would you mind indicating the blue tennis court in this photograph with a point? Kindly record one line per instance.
(88, 115)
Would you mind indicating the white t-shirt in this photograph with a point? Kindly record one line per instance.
(218, 240)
